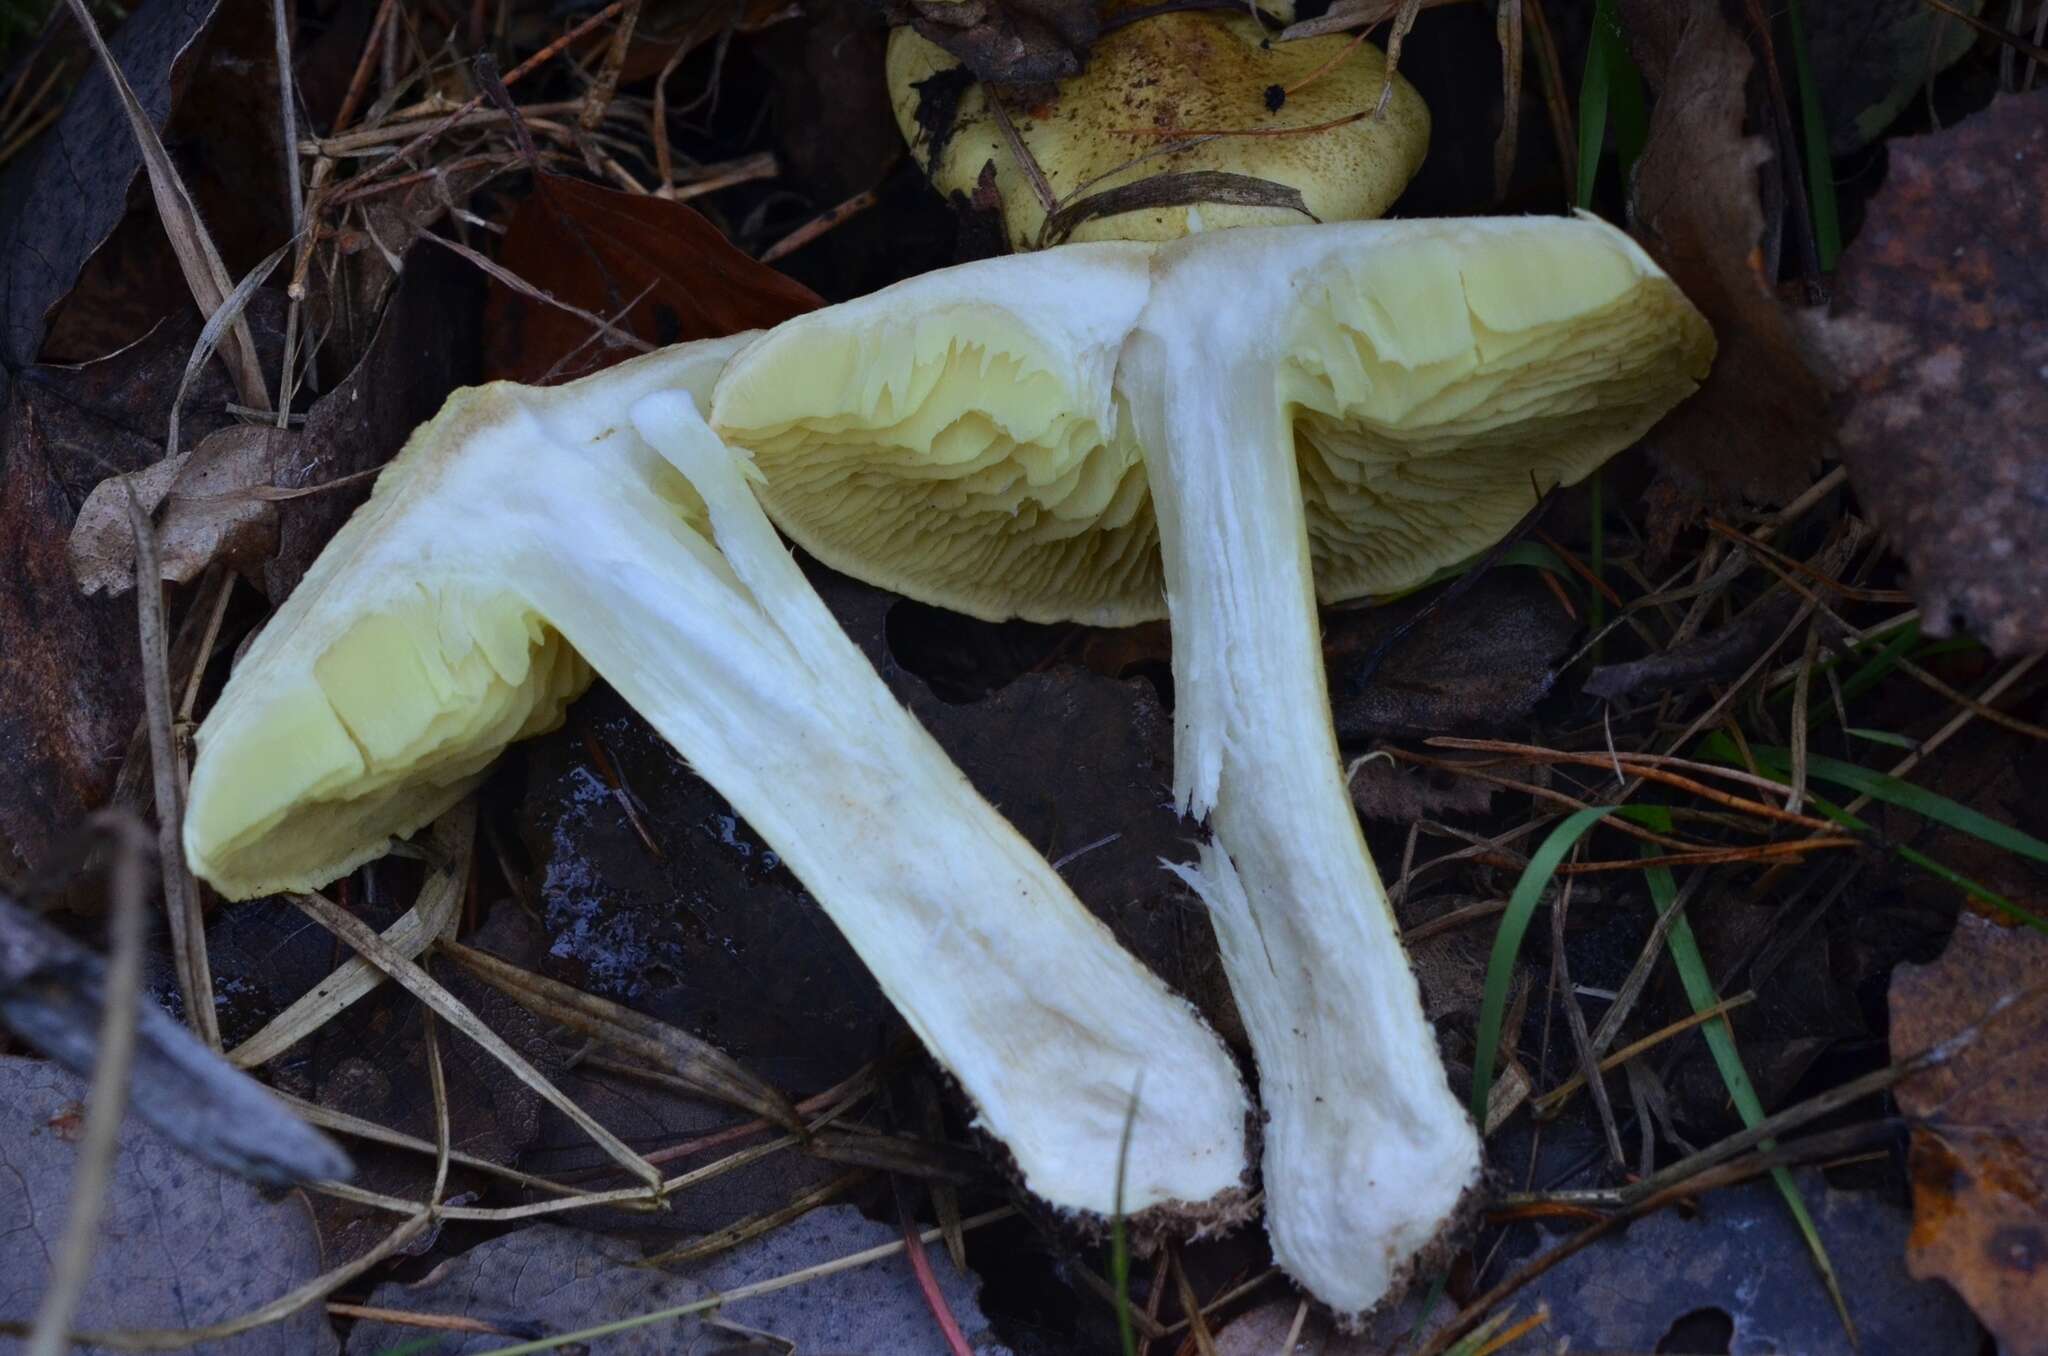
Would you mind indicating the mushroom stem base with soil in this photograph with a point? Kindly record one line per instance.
(1367, 1154)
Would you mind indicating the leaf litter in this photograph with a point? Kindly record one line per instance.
(1747, 634)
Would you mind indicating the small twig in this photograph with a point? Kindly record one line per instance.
(825, 221)
(607, 83)
(181, 892)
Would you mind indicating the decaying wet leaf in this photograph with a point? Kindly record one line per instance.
(1479, 663)
(1738, 1270)
(69, 665)
(213, 508)
(1024, 41)
(1938, 353)
(655, 270)
(1980, 1138)
(181, 1244)
(1757, 426)
(546, 1280)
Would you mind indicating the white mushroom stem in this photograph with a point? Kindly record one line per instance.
(1048, 1024)
(1367, 1153)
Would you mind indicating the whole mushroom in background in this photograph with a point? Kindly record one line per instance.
(1285, 412)
(1117, 128)
(528, 536)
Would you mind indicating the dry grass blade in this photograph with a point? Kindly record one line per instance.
(753, 1226)
(200, 262)
(342, 1123)
(1508, 31)
(437, 1081)
(422, 986)
(181, 891)
(440, 900)
(518, 284)
(107, 1100)
(1575, 1023)
(405, 1318)
(701, 1066)
(1550, 1101)
(1191, 1305)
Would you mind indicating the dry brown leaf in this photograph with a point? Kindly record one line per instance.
(211, 510)
(657, 270)
(1758, 425)
(1939, 354)
(1980, 1138)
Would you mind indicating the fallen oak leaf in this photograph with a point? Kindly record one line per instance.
(1980, 1138)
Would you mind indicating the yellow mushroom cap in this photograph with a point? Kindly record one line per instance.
(963, 438)
(412, 653)
(1173, 73)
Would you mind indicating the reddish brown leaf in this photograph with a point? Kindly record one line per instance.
(1939, 354)
(657, 270)
(1758, 424)
(1980, 1143)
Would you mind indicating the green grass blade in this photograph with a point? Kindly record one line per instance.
(1593, 92)
(1904, 794)
(1720, 1038)
(1119, 1240)
(1772, 762)
(1820, 167)
(1507, 944)
(1886, 737)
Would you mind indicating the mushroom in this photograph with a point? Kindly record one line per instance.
(1169, 79)
(1346, 407)
(527, 536)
